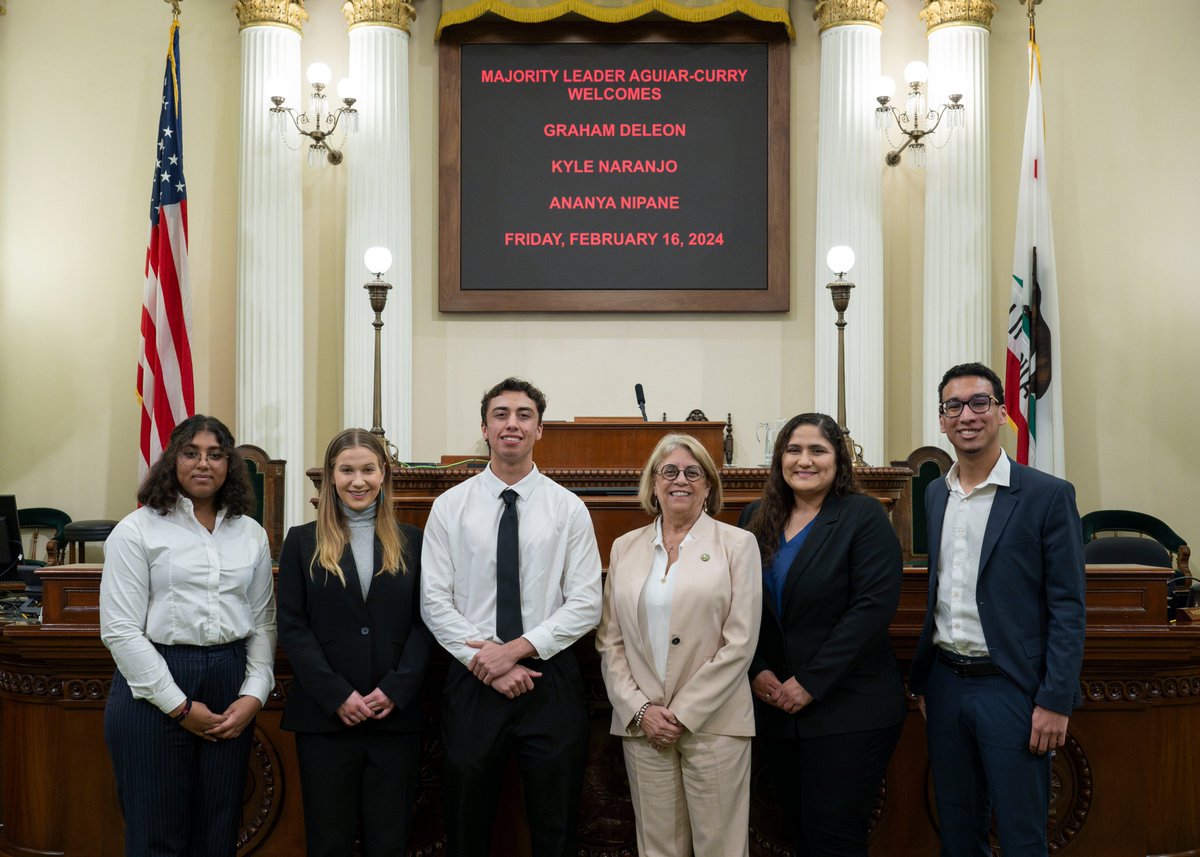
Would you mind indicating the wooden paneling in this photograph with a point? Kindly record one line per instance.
(1124, 785)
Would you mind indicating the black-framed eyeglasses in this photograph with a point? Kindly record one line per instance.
(979, 404)
(691, 473)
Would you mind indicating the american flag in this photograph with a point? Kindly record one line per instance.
(164, 375)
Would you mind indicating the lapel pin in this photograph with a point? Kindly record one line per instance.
(705, 557)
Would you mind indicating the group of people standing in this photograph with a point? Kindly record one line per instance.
(709, 635)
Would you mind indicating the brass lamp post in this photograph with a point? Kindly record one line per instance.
(840, 260)
(378, 260)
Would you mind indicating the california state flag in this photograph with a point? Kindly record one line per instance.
(1033, 369)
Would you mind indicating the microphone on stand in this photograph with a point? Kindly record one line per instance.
(641, 401)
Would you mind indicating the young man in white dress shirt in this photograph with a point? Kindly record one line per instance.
(523, 694)
(996, 669)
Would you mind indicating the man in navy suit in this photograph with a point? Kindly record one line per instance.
(996, 669)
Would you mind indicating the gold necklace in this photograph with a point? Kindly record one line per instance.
(672, 547)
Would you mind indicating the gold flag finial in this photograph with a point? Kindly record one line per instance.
(1030, 6)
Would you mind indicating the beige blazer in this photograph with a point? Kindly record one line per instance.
(715, 612)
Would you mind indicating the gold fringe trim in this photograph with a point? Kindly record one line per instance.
(620, 15)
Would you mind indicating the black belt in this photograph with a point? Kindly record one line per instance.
(964, 667)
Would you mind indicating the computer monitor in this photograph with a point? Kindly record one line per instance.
(11, 530)
(10, 537)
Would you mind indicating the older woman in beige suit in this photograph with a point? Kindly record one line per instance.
(680, 624)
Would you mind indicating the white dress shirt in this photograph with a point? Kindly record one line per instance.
(656, 599)
(957, 627)
(559, 566)
(168, 580)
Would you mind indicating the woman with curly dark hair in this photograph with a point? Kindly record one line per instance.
(829, 701)
(187, 611)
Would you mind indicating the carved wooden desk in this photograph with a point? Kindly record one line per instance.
(1125, 784)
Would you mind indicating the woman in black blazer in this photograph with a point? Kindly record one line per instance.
(829, 700)
(350, 624)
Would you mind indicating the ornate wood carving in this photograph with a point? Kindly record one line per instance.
(1070, 793)
(1142, 690)
(260, 806)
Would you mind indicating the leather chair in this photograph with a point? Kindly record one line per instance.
(77, 534)
(50, 522)
(928, 464)
(1156, 545)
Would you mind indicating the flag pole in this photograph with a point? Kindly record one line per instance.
(175, 7)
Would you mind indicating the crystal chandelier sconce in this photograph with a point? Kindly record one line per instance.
(319, 122)
(917, 121)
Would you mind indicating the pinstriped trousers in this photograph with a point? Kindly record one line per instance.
(180, 795)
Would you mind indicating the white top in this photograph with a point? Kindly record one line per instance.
(168, 580)
(656, 599)
(560, 566)
(957, 627)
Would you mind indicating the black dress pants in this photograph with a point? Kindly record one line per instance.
(358, 780)
(180, 794)
(547, 728)
(827, 787)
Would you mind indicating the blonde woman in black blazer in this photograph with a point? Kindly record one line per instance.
(829, 699)
(358, 662)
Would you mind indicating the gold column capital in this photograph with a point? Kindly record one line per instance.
(387, 13)
(840, 13)
(279, 13)
(947, 13)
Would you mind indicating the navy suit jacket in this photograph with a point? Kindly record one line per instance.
(1030, 591)
(338, 643)
(839, 597)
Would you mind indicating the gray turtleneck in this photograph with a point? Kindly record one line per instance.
(362, 542)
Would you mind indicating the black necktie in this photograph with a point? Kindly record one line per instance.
(508, 571)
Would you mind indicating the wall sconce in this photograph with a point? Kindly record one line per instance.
(840, 260)
(917, 121)
(319, 122)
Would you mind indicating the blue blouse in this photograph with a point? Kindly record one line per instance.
(775, 574)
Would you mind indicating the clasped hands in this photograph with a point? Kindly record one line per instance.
(789, 696)
(204, 723)
(359, 709)
(661, 727)
(495, 664)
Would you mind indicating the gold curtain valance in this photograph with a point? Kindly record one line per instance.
(612, 11)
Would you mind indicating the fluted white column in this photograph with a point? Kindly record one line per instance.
(379, 212)
(957, 319)
(270, 295)
(849, 211)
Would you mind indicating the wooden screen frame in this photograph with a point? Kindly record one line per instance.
(453, 298)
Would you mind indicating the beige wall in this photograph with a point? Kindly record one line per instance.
(80, 86)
